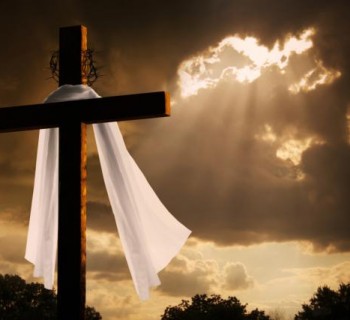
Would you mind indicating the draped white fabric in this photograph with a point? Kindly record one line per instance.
(149, 234)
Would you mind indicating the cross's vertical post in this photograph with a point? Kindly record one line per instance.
(72, 184)
(73, 43)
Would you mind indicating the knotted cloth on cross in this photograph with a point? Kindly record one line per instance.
(149, 234)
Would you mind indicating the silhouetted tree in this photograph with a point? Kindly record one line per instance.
(327, 304)
(30, 301)
(92, 314)
(212, 308)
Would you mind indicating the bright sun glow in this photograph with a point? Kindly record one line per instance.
(268, 135)
(224, 62)
(315, 77)
(288, 146)
(293, 149)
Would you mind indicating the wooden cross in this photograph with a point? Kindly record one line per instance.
(71, 118)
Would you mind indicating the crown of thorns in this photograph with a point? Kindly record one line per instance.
(88, 67)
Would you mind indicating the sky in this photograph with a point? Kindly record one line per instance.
(254, 159)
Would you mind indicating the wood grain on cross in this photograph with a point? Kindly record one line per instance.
(71, 118)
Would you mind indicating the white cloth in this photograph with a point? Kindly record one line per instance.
(149, 234)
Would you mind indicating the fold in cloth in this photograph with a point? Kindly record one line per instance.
(149, 234)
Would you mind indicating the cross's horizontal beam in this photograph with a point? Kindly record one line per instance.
(118, 108)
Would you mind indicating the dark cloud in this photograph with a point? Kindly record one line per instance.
(96, 189)
(17, 167)
(12, 248)
(230, 187)
(140, 43)
(100, 217)
(205, 162)
(328, 190)
(102, 265)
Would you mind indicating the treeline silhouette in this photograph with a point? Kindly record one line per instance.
(31, 301)
(326, 304)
